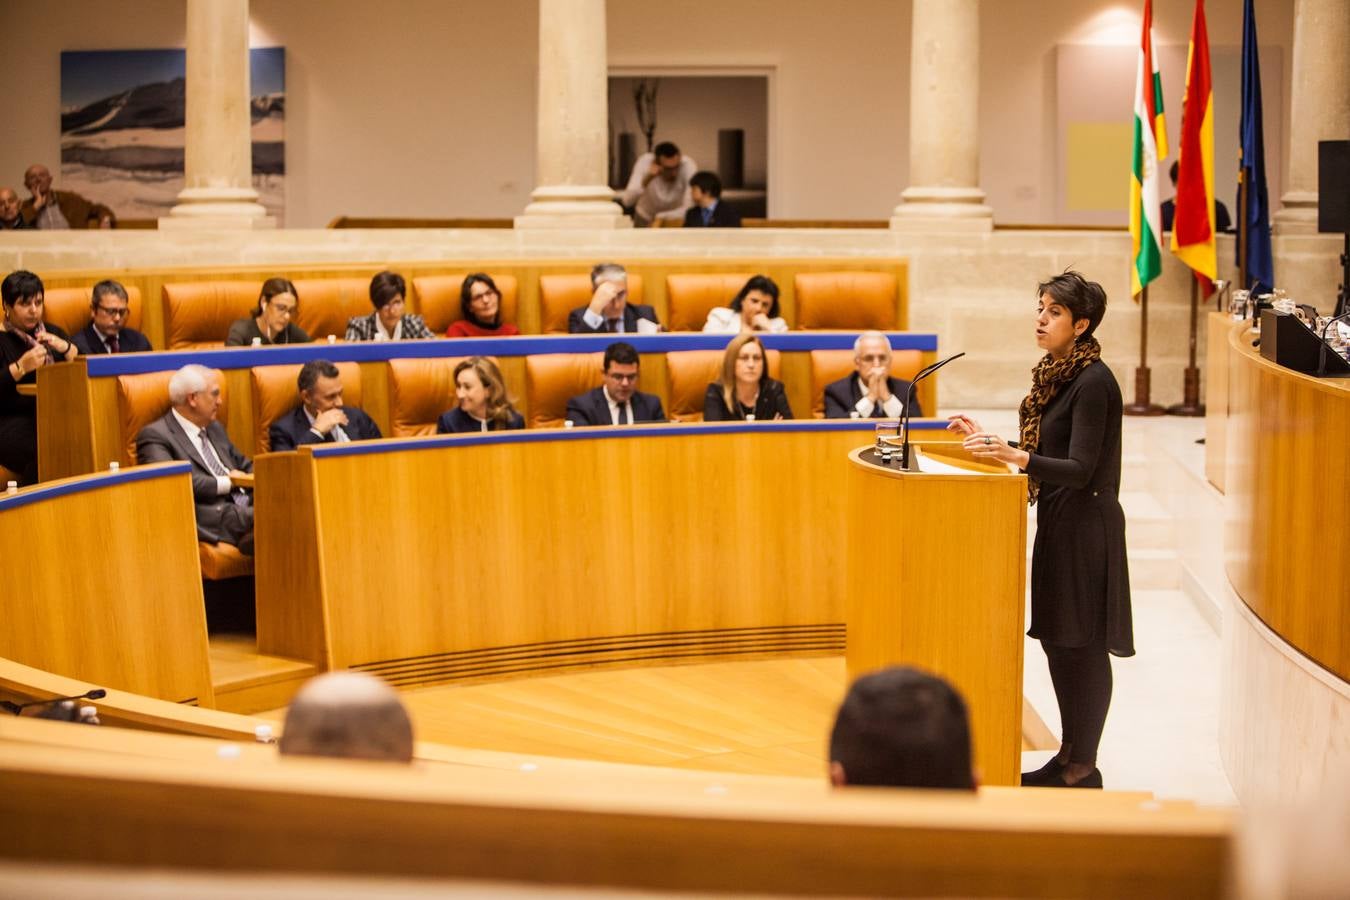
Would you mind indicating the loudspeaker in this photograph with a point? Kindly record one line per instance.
(731, 157)
(1333, 186)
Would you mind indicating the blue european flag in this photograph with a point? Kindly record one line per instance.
(1260, 262)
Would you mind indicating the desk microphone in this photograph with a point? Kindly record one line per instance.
(17, 708)
(909, 404)
(1322, 351)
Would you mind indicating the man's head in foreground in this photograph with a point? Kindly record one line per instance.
(349, 715)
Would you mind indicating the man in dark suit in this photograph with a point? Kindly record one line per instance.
(321, 418)
(104, 333)
(708, 211)
(189, 431)
(609, 309)
(870, 392)
(617, 401)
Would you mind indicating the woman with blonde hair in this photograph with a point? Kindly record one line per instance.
(483, 404)
(745, 390)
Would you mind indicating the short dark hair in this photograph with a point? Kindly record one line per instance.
(606, 268)
(665, 150)
(621, 352)
(1176, 167)
(312, 371)
(466, 294)
(902, 727)
(758, 283)
(19, 284)
(271, 288)
(107, 286)
(707, 182)
(1082, 298)
(385, 286)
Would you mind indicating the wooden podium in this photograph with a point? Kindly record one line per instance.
(936, 579)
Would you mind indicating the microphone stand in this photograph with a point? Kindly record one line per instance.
(1322, 351)
(909, 400)
(18, 708)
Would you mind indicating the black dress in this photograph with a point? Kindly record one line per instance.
(457, 421)
(18, 414)
(1080, 580)
(772, 400)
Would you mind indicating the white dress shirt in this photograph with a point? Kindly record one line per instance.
(382, 334)
(194, 436)
(666, 199)
(724, 320)
(614, 408)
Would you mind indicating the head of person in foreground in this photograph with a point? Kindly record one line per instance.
(348, 715)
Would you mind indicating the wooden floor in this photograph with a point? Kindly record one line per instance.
(769, 717)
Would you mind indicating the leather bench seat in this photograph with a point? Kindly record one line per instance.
(853, 301)
(560, 294)
(275, 394)
(327, 303)
(688, 374)
(199, 313)
(830, 365)
(690, 296)
(436, 299)
(551, 379)
(419, 391)
(68, 308)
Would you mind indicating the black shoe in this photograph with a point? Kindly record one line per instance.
(1046, 775)
(1092, 779)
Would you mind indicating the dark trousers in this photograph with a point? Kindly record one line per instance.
(18, 447)
(1082, 679)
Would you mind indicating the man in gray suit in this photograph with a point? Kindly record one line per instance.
(189, 431)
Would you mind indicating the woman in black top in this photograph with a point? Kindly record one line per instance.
(745, 388)
(26, 345)
(1069, 448)
(483, 404)
(273, 321)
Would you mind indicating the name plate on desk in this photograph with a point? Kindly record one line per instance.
(1285, 340)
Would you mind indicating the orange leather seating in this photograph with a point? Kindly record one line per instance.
(275, 394)
(6, 476)
(436, 299)
(560, 294)
(327, 303)
(691, 295)
(419, 391)
(688, 374)
(199, 313)
(68, 308)
(551, 379)
(831, 365)
(854, 301)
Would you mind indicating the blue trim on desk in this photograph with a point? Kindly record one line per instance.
(394, 445)
(105, 365)
(41, 493)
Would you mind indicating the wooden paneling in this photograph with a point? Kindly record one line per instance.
(1216, 396)
(936, 579)
(1288, 502)
(65, 430)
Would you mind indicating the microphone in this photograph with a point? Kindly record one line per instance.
(1322, 351)
(909, 402)
(17, 708)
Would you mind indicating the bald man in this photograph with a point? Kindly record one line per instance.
(52, 210)
(348, 715)
(9, 211)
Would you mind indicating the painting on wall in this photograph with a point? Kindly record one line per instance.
(122, 128)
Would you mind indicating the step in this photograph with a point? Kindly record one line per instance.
(246, 681)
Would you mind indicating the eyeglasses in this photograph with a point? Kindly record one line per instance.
(474, 298)
(115, 312)
(622, 377)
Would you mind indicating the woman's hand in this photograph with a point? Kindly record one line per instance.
(34, 359)
(983, 445)
(761, 323)
(963, 425)
(58, 346)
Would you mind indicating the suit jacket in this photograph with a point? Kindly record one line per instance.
(218, 518)
(292, 429)
(576, 324)
(723, 216)
(843, 395)
(457, 421)
(79, 212)
(363, 328)
(591, 408)
(129, 340)
(772, 401)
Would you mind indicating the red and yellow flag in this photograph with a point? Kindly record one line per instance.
(1193, 225)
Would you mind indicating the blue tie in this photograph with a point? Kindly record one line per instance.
(707, 216)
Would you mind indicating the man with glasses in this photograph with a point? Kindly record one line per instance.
(659, 185)
(107, 333)
(617, 401)
(870, 392)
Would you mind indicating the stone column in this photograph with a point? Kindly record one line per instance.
(573, 122)
(1319, 104)
(218, 157)
(944, 128)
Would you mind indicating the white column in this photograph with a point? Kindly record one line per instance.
(573, 123)
(1319, 104)
(944, 128)
(218, 162)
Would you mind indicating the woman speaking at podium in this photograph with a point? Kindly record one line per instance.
(1069, 447)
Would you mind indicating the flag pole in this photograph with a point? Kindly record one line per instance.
(1242, 227)
(1142, 405)
(1190, 404)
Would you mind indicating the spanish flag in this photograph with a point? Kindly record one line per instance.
(1193, 226)
(1150, 145)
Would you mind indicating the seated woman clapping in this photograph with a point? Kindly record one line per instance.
(755, 308)
(272, 321)
(481, 304)
(745, 390)
(483, 405)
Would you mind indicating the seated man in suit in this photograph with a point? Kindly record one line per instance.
(708, 211)
(348, 715)
(617, 401)
(901, 727)
(321, 418)
(189, 431)
(57, 210)
(870, 392)
(106, 332)
(609, 309)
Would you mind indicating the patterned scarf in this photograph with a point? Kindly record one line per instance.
(28, 339)
(1047, 378)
